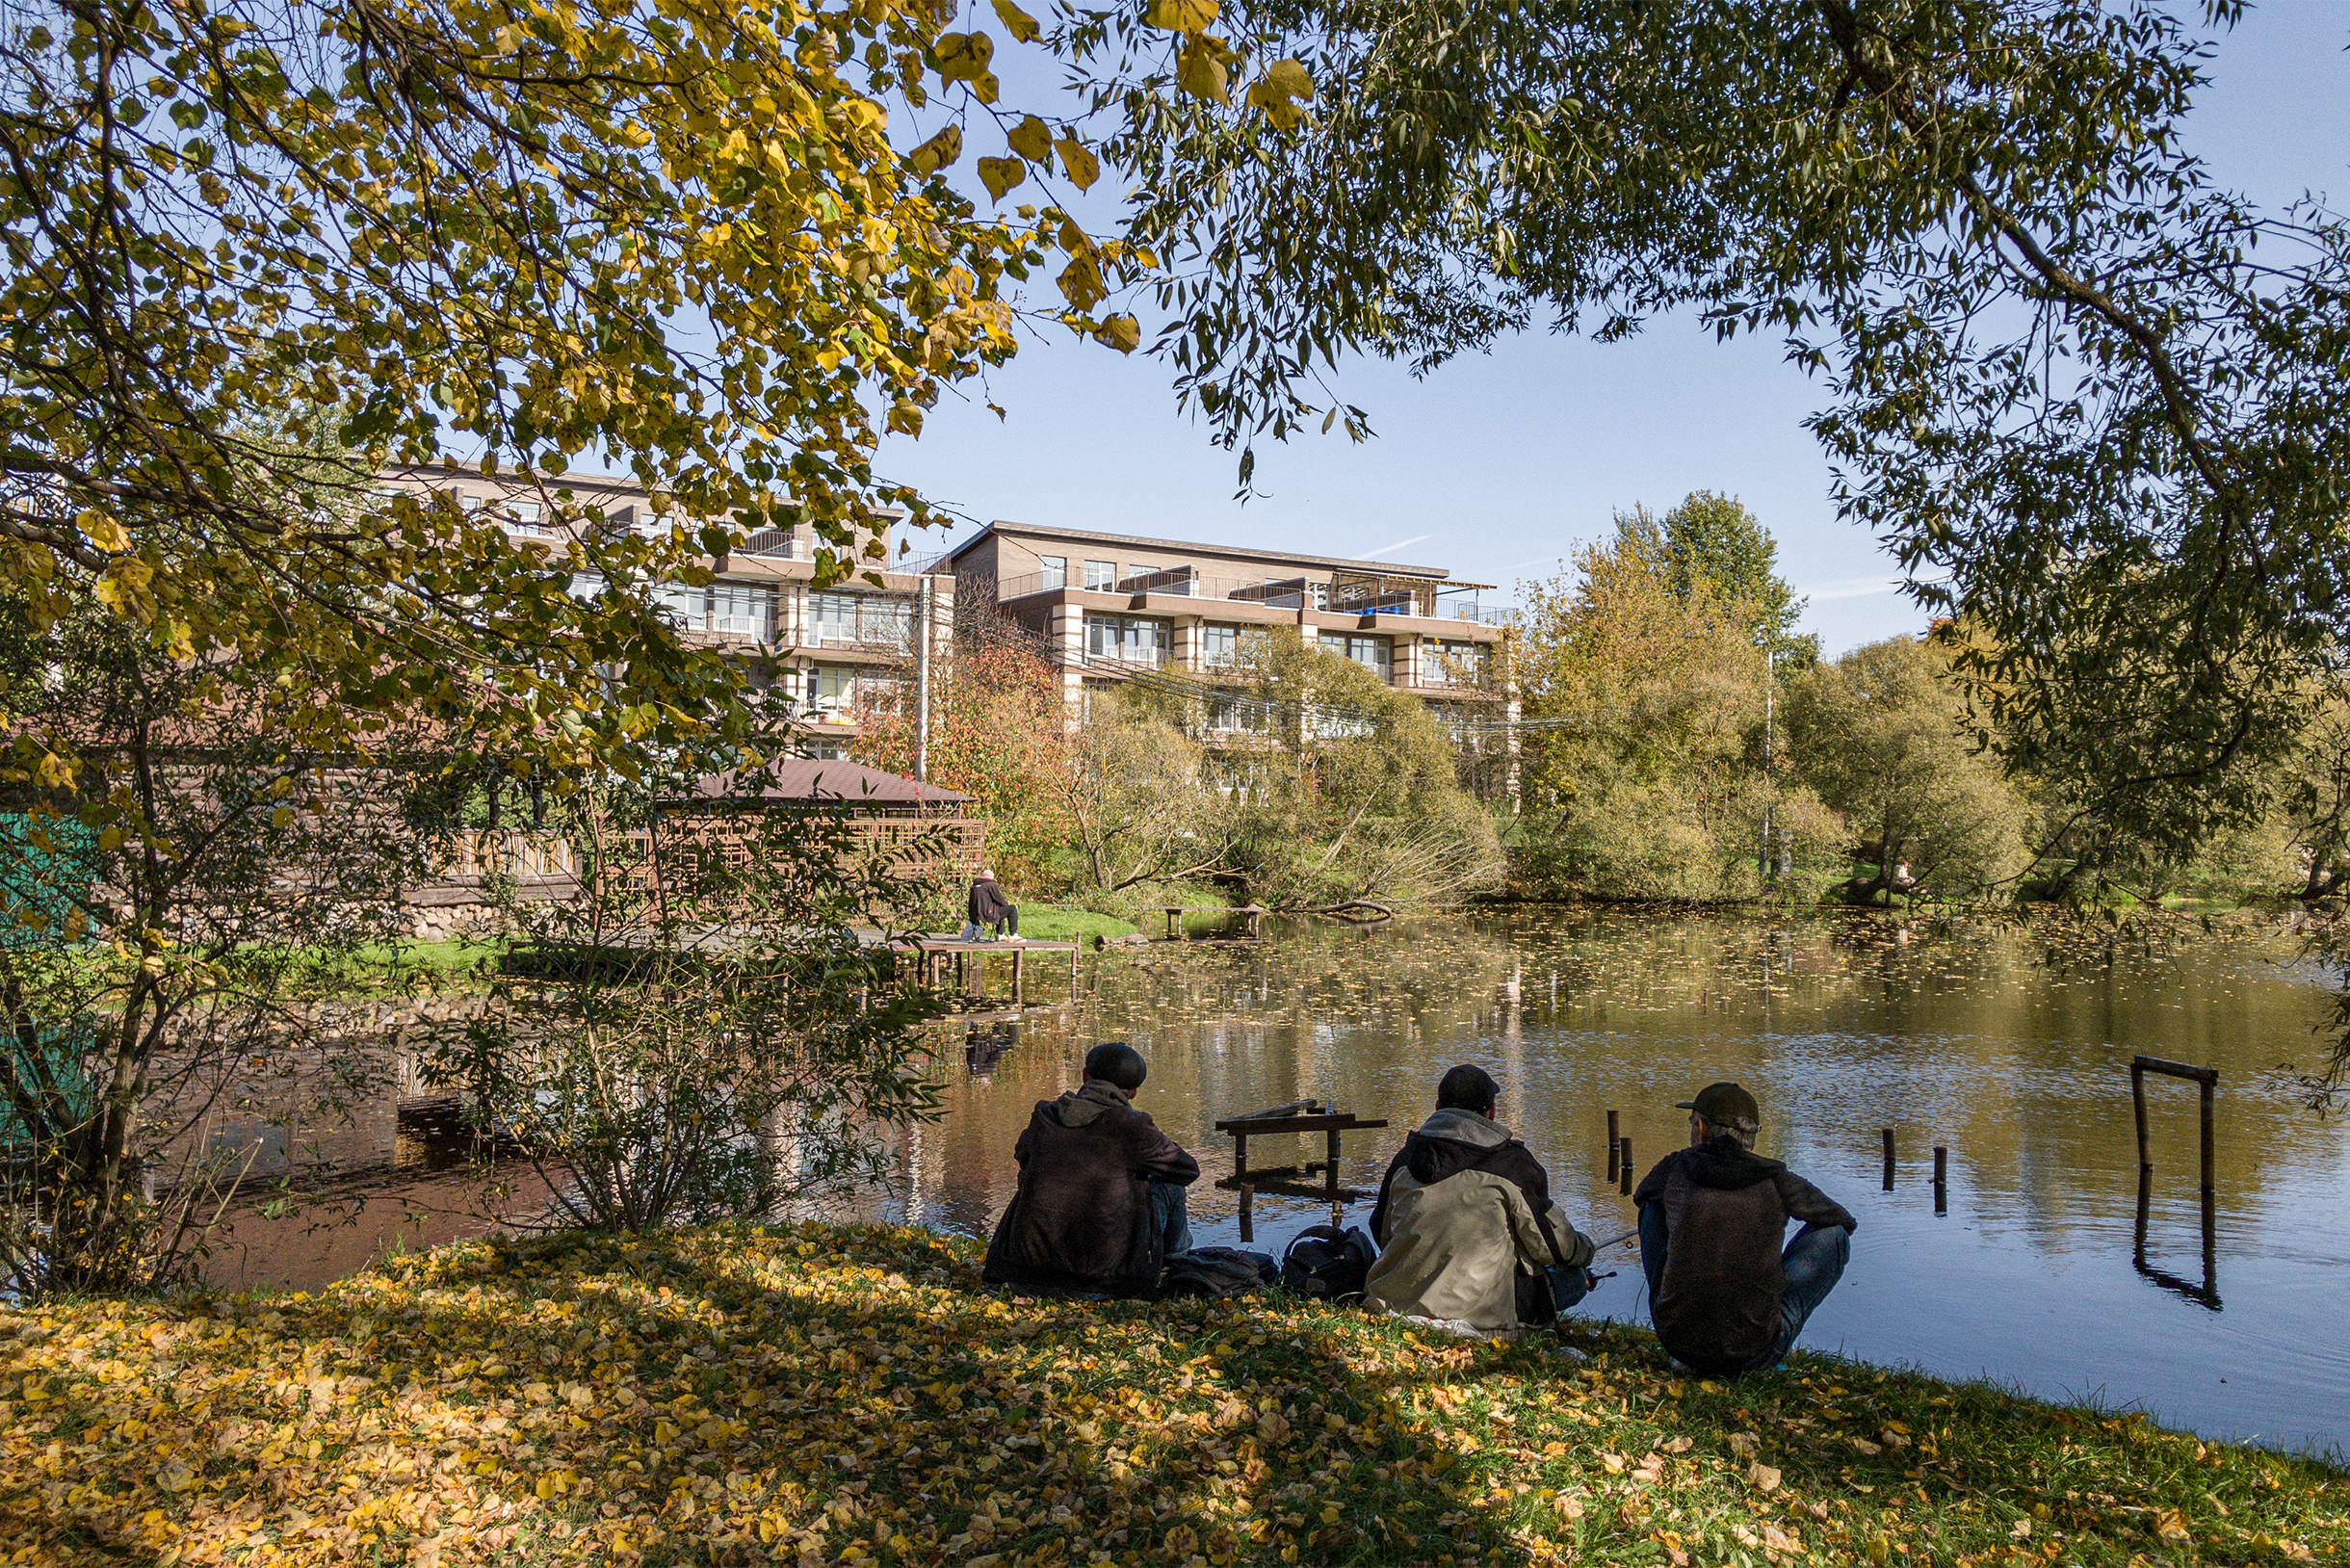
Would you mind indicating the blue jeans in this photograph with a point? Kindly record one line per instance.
(1171, 1216)
(1813, 1261)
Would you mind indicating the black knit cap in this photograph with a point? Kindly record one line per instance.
(1117, 1062)
(1467, 1087)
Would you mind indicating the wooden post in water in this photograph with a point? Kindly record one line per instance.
(1614, 1148)
(1624, 1165)
(2208, 1085)
(2205, 1078)
(2137, 1101)
(1889, 1160)
(1019, 955)
(1941, 1179)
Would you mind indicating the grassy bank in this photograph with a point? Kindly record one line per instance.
(816, 1396)
(1058, 923)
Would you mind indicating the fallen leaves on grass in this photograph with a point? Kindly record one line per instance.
(805, 1396)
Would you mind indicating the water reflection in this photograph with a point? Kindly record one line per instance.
(2040, 1260)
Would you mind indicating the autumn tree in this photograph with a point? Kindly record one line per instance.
(1645, 778)
(1140, 807)
(1881, 734)
(1719, 539)
(1345, 788)
(1000, 732)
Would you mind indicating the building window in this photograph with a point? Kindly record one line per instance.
(1455, 664)
(687, 609)
(1139, 574)
(740, 610)
(1131, 639)
(831, 688)
(1228, 648)
(737, 609)
(1056, 574)
(1370, 652)
(826, 750)
(860, 620)
(1238, 716)
(516, 516)
(1101, 577)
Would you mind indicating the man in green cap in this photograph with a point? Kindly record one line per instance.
(1723, 1294)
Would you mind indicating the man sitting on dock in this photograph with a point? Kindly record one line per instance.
(1725, 1298)
(1465, 1223)
(1099, 1207)
(988, 906)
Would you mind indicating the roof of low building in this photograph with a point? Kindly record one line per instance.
(836, 779)
(1195, 546)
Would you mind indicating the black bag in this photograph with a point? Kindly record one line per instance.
(1330, 1265)
(1216, 1271)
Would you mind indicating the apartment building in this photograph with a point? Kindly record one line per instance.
(828, 649)
(1114, 606)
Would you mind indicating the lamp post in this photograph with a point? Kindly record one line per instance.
(1770, 689)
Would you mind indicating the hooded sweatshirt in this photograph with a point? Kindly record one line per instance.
(1725, 1210)
(1080, 1219)
(987, 905)
(1464, 1214)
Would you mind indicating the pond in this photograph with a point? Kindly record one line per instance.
(2034, 1273)
(2042, 1268)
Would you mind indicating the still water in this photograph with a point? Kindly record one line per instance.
(1984, 1040)
(2009, 1052)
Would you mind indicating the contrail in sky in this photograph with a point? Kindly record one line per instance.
(1374, 555)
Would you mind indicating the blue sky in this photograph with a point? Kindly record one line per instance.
(1498, 465)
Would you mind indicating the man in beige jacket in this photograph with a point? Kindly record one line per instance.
(1466, 1231)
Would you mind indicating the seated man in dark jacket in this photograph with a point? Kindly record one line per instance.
(1465, 1223)
(1100, 1205)
(1724, 1297)
(988, 906)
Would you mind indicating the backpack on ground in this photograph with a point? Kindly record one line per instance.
(1216, 1271)
(1327, 1263)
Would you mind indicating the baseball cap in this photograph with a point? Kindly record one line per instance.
(1724, 1105)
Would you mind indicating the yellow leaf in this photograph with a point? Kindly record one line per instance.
(985, 87)
(1766, 1478)
(1182, 15)
(1017, 22)
(938, 152)
(1031, 139)
(103, 532)
(1276, 92)
(282, 816)
(1081, 166)
(1000, 174)
(963, 57)
(1201, 69)
(1120, 332)
(2170, 1525)
(1081, 283)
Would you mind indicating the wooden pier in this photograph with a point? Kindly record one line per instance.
(1253, 913)
(971, 961)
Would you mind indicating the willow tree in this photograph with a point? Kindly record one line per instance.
(2082, 391)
